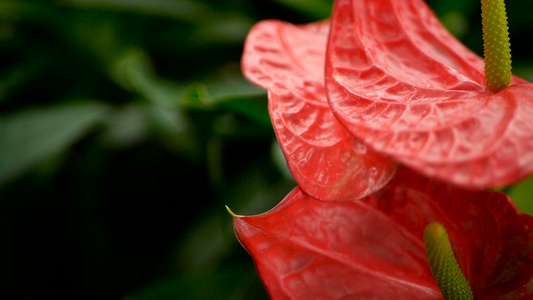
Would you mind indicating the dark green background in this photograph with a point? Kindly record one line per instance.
(126, 126)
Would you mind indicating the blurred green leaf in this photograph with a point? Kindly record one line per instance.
(196, 96)
(17, 76)
(456, 23)
(134, 71)
(173, 129)
(126, 126)
(316, 9)
(522, 195)
(447, 6)
(232, 85)
(137, 122)
(233, 94)
(233, 126)
(205, 247)
(101, 35)
(18, 10)
(179, 9)
(526, 72)
(253, 108)
(222, 28)
(232, 283)
(29, 136)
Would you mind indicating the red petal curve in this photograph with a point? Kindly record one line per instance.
(373, 248)
(397, 80)
(326, 161)
(311, 249)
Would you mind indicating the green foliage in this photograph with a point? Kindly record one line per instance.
(33, 136)
(522, 195)
(317, 9)
(126, 126)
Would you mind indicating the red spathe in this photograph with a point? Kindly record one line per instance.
(397, 80)
(373, 248)
(325, 159)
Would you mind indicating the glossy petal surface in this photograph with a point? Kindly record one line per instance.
(324, 158)
(401, 83)
(308, 249)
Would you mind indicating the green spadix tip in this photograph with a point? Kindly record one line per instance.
(496, 45)
(231, 213)
(443, 264)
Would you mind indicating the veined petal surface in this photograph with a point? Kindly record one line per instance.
(373, 248)
(397, 80)
(326, 161)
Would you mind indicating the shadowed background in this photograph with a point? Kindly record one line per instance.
(126, 126)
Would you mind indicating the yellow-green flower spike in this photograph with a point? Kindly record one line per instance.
(443, 264)
(497, 48)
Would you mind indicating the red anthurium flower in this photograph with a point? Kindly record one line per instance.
(397, 80)
(325, 159)
(373, 247)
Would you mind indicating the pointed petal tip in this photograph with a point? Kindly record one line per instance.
(232, 213)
